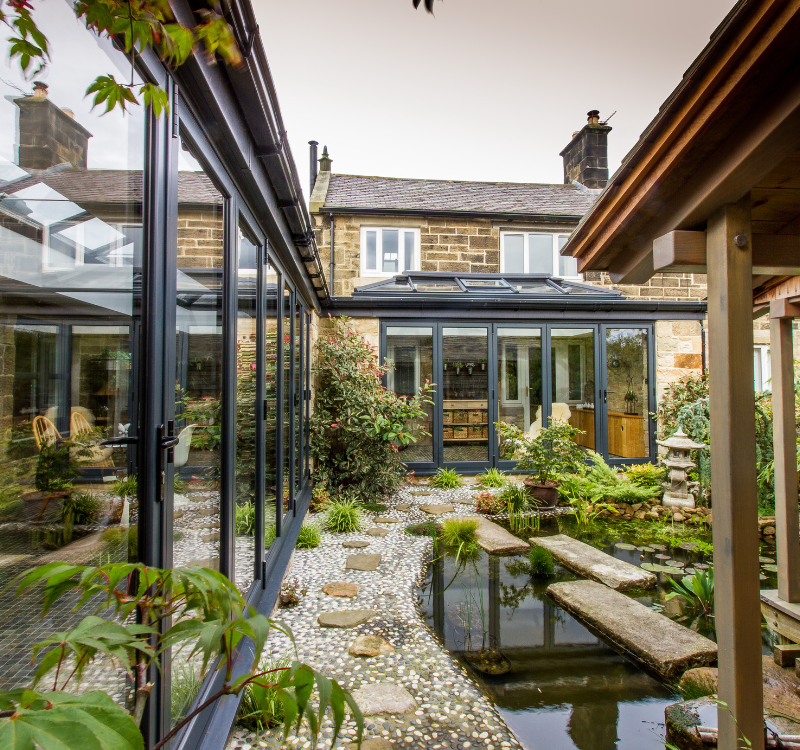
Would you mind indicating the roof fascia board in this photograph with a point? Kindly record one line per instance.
(711, 83)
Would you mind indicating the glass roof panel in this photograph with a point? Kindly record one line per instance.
(538, 286)
(437, 286)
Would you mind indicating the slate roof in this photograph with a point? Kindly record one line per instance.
(114, 186)
(356, 192)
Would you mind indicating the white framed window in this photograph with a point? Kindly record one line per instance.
(536, 252)
(388, 251)
(762, 368)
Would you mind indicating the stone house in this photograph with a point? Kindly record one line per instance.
(479, 255)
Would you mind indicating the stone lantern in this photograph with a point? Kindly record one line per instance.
(677, 490)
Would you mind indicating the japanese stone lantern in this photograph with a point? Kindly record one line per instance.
(677, 490)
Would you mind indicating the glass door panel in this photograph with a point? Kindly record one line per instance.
(519, 378)
(627, 389)
(410, 350)
(465, 395)
(572, 380)
(271, 409)
(288, 410)
(246, 338)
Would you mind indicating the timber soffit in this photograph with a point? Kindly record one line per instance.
(737, 49)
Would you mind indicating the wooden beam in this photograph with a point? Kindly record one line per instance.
(786, 288)
(684, 252)
(787, 521)
(733, 466)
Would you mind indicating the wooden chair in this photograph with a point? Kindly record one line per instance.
(78, 425)
(44, 432)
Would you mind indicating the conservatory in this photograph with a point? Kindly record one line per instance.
(519, 349)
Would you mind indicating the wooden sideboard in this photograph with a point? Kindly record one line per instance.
(627, 433)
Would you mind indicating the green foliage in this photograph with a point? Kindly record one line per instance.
(374, 507)
(697, 590)
(80, 508)
(457, 531)
(309, 536)
(446, 479)
(343, 516)
(541, 562)
(184, 687)
(125, 487)
(648, 476)
(551, 453)
(115, 536)
(514, 497)
(493, 478)
(245, 521)
(137, 25)
(427, 528)
(320, 498)
(358, 426)
(599, 482)
(192, 612)
(58, 465)
(270, 533)
(261, 706)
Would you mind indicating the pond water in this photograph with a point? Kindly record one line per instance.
(556, 684)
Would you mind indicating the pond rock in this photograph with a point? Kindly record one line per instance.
(383, 698)
(699, 682)
(488, 661)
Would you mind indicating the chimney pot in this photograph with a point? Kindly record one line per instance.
(68, 112)
(593, 117)
(325, 161)
(39, 90)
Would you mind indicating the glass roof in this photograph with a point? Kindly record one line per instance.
(487, 284)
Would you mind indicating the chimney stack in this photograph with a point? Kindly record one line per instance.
(313, 163)
(586, 155)
(49, 136)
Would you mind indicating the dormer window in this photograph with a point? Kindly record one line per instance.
(388, 251)
(536, 252)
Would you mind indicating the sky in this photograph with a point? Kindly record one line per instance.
(484, 90)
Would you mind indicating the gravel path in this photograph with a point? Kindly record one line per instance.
(452, 712)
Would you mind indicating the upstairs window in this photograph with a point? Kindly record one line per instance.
(536, 252)
(387, 251)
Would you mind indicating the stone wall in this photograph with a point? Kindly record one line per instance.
(200, 236)
(468, 246)
(679, 351)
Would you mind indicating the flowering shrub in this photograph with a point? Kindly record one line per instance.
(488, 503)
(358, 425)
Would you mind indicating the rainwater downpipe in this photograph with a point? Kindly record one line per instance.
(703, 346)
(333, 263)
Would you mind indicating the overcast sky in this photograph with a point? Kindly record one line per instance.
(485, 90)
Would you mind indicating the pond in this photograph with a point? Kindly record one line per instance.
(556, 684)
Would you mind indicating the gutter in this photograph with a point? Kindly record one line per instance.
(543, 218)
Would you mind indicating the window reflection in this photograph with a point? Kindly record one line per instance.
(572, 373)
(272, 406)
(70, 243)
(288, 408)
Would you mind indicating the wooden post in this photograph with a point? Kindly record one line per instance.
(733, 476)
(787, 525)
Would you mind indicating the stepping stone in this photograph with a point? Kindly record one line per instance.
(377, 532)
(370, 645)
(340, 588)
(437, 510)
(209, 525)
(346, 618)
(206, 512)
(662, 557)
(383, 698)
(203, 562)
(355, 545)
(701, 566)
(496, 540)
(403, 507)
(363, 562)
(213, 537)
(589, 562)
(375, 743)
(664, 646)
(421, 493)
(382, 519)
(675, 564)
(625, 546)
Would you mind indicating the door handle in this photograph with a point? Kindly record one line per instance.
(165, 453)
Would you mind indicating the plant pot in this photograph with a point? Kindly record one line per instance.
(541, 495)
(458, 370)
(469, 370)
(483, 366)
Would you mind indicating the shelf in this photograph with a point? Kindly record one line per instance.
(466, 440)
(465, 424)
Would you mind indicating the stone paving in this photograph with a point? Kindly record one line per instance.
(451, 711)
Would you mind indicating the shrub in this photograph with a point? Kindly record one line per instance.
(343, 516)
(185, 685)
(261, 706)
(488, 503)
(551, 453)
(648, 476)
(458, 531)
(358, 426)
(290, 593)
(374, 507)
(427, 528)
(245, 521)
(541, 562)
(493, 478)
(446, 479)
(514, 497)
(57, 466)
(80, 508)
(125, 487)
(600, 482)
(320, 498)
(309, 536)
(269, 536)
